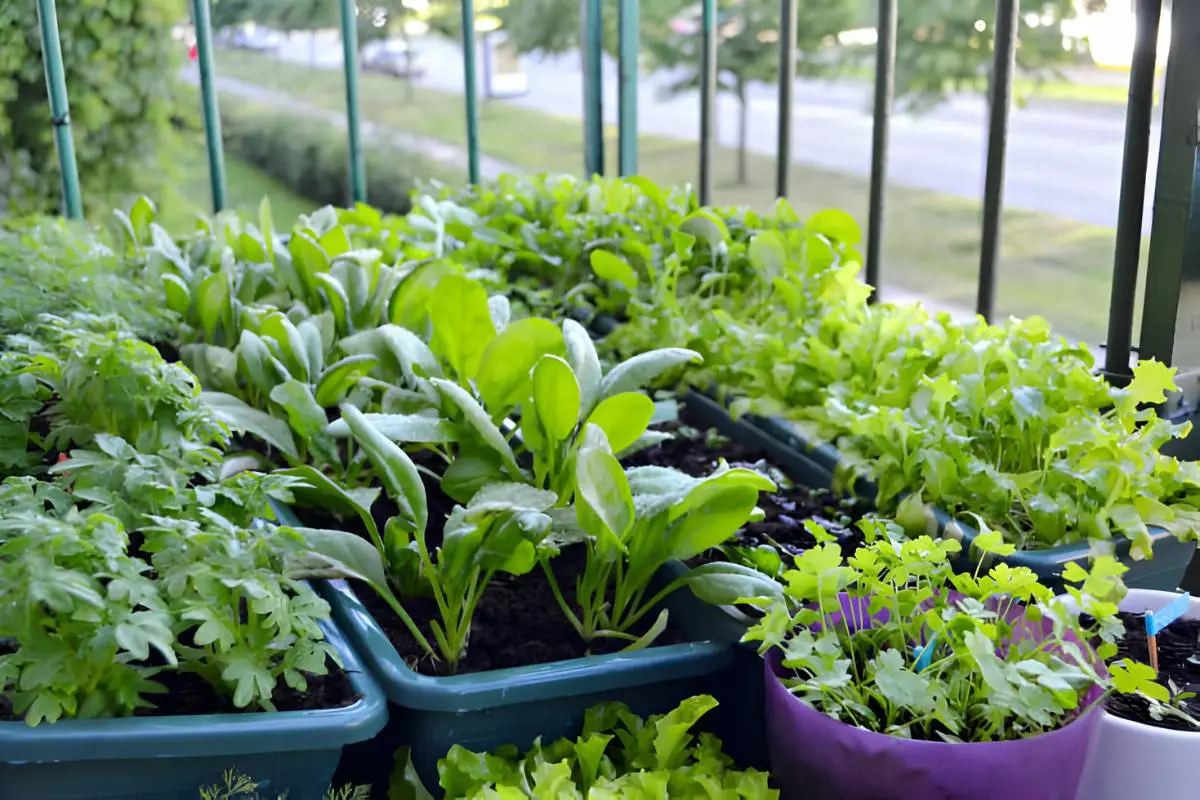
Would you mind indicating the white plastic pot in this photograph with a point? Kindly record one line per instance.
(1128, 759)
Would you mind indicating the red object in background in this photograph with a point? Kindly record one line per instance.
(192, 53)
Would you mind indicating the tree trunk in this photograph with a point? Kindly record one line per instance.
(743, 166)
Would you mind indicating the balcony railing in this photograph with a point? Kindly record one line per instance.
(1171, 312)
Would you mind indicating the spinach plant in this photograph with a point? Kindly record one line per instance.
(634, 522)
(502, 529)
(895, 642)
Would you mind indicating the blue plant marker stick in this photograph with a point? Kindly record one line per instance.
(924, 653)
(1157, 622)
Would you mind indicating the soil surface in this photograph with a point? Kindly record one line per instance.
(698, 453)
(189, 694)
(517, 623)
(1178, 663)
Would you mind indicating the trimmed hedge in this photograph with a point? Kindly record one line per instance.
(309, 155)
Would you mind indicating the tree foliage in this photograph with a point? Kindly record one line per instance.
(120, 63)
(945, 46)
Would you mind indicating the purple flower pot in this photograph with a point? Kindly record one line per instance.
(816, 757)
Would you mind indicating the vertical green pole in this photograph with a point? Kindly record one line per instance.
(468, 34)
(593, 91)
(627, 87)
(885, 85)
(208, 102)
(60, 112)
(708, 98)
(358, 170)
(1005, 45)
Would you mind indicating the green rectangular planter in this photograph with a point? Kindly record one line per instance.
(1164, 571)
(483, 711)
(170, 758)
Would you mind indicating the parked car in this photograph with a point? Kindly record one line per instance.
(391, 56)
(254, 38)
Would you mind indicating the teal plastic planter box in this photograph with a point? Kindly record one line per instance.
(170, 758)
(1163, 572)
(482, 711)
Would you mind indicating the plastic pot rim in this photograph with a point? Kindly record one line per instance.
(206, 735)
(514, 685)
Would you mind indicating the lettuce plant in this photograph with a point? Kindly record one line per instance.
(632, 523)
(617, 754)
(895, 642)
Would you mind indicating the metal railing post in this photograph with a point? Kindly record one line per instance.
(627, 88)
(592, 52)
(358, 169)
(1171, 314)
(1135, 162)
(708, 97)
(202, 21)
(885, 86)
(469, 91)
(787, 94)
(999, 101)
(60, 110)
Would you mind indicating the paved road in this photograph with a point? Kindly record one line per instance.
(1063, 160)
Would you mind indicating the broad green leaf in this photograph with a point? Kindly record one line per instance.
(602, 495)
(320, 491)
(407, 428)
(503, 376)
(556, 397)
(613, 268)
(410, 304)
(707, 226)
(470, 472)
(335, 242)
(266, 225)
(309, 260)
(393, 467)
(256, 363)
(291, 344)
(581, 355)
(462, 324)
(347, 553)
(475, 417)
(305, 416)
(672, 731)
(623, 418)
(241, 417)
(213, 299)
(768, 254)
(838, 226)
(339, 303)
(314, 346)
(178, 296)
(511, 497)
(725, 583)
(340, 377)
(1152, 382)
(711, 522)
(640, 370)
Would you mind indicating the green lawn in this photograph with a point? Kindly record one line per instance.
(187, 192)
(1052, 266)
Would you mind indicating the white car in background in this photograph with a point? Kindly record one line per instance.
(392, 57)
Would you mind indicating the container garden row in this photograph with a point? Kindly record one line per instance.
(291, 340)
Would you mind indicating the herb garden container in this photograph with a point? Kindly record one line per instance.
(1134, 759)
(1164, 571)
(485, 710)
(815, 755)
(171, 758)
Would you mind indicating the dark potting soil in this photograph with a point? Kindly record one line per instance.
(698, 453)
(517, 623)
(189, 694)
(1178, 663)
